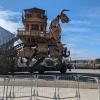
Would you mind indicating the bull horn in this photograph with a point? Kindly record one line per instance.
(64, 10)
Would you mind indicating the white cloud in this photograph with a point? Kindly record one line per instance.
(83, 35)
(7, 13)
(74, 39)
(7, 23)
(82, 46)
(83, 54)
(80, 22)
(93, 12)
(75, 29)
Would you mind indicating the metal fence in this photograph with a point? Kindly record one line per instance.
(49, 87)
(88, 88)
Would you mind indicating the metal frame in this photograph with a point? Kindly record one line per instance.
(9, 83)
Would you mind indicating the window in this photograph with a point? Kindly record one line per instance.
(28, 15)
(34, 27)
(42, 27)
(27, 26)
(36, 15)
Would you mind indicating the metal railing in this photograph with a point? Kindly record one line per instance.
(22, 32)
(49, 87)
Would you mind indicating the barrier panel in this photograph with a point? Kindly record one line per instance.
(3, 83)
(67, 87)
(18, 88)
(49, 87)
(89, 88)
(46, 87)
(24, 87)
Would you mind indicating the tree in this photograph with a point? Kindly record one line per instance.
(97, 60)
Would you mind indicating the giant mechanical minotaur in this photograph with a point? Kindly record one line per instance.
(37, 42)
(39, 50)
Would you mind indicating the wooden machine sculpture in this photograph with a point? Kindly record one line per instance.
(40, 49)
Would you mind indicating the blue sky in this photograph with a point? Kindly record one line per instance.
(81, 34)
